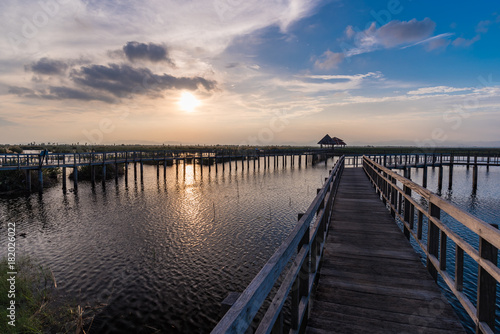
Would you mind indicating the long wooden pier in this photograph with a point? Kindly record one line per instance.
(347, 267)
(371, 279)
(44, 160)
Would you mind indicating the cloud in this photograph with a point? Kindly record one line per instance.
(433, 42)
(394, 33)
(48, 66)
(142, 51)
(21, 91)
(483, 26)
(349, 32)
(59, 93)
(397, 32)
(326, 83)
(438, 90)
(125, 81)
(465, 43)
(436, 44)
(329, 60)
(93, 82)
(66, 93)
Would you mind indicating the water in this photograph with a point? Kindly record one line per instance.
(163, 253)
(483, 203)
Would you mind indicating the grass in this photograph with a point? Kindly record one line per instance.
(38, 310)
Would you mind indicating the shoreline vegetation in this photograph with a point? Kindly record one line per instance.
(39, 308)
(63, 148)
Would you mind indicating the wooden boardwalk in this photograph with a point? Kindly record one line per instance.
(371, 279)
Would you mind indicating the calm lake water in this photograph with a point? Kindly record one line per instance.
(483, 203)
(163, 253)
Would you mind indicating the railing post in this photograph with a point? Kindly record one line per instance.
(301, 284)
(393, 198)
(433, 239)
(486, 286)
(407, 217)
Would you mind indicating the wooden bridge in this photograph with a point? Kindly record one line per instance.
(347, 268)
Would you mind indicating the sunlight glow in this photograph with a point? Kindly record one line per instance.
(188, 102)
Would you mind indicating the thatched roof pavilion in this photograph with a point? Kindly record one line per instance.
(330, 142)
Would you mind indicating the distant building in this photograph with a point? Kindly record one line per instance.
(330, 142)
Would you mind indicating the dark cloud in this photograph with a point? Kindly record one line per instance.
(21, 91)
(401, 32)
(65, 93)
(125, 81)
(48, 66)
(142, 51)
(60, 93)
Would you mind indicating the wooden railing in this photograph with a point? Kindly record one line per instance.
(408, 211)
(301, 252)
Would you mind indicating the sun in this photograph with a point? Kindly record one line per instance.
(188, 102)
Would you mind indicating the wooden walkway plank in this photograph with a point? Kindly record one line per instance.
(371, 279)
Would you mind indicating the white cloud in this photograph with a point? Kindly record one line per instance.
(438, 90)
(329, 60)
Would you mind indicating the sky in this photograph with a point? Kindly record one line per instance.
(248, 72)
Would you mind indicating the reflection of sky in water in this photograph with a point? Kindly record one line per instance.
(165, 251)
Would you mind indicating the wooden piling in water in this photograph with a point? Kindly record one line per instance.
(40, 180)
(103, 174)
(440, 177)
(75, 177)
(92, 174)
(474, 174)
(450, 172)
(64, 178)
(28, 180)
(424, 181)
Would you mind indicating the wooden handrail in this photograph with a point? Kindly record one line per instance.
(385, 182)
(303, 246)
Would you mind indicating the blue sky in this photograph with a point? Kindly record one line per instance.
(395, 72)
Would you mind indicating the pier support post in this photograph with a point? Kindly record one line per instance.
(103, 174)
(75, 177)
(28, 180)
(135, 171)
(40, 180)
(424, 180)
(440, 178)
(92, 174)
(474, 174)
(450, 172)
(142, 171)
(64, 178)
(116, 173)
(126, 172)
